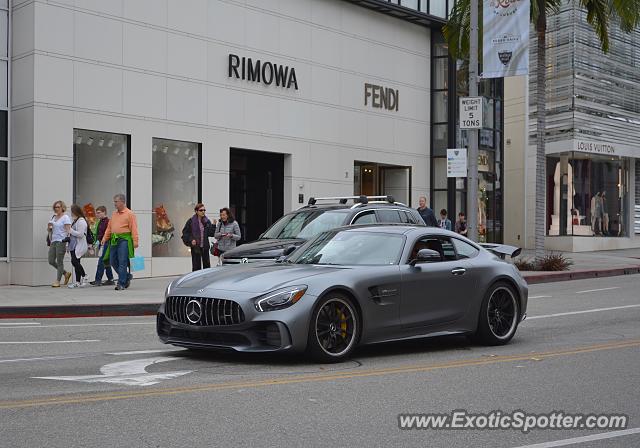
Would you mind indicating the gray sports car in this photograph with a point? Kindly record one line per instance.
(350, 286)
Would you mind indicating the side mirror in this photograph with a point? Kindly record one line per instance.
(285, 253)
(289, 250)
(426, 256)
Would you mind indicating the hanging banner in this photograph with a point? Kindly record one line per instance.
(505, 38)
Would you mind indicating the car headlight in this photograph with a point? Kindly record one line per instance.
(167, 290)
(279, 299)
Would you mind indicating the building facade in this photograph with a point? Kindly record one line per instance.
(255, 105)
(592, 138)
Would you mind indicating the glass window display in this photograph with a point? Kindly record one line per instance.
(586, 195)
(100, 170)
(176, 190)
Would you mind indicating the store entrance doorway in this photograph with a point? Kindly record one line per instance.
(256, 190)
(375, 179)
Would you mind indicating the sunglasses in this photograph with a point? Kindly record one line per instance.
(202, 209)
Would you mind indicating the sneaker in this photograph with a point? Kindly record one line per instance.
(129, 278)
(84, 282)
(94, 283)
(67, 277)
(73, 285)
(55, 285)
(119, 288)
(108, 283)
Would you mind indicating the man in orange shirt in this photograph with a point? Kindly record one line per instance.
(122, 236)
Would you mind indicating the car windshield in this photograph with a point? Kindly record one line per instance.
(304, 224)
(351, 248)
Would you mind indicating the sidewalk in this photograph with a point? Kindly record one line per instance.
(589, 265)
(145, 295)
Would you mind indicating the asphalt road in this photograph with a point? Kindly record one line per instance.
(109, 382)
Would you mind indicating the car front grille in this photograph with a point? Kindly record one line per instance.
(203, 311)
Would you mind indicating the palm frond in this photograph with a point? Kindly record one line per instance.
(626, 13)
(598, 16)
(456, 31)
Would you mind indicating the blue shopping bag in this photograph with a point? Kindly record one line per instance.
(137, 263)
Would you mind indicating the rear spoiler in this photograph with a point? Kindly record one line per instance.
(502, 250)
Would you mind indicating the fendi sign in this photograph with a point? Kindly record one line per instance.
(381, 97)
(262, 71)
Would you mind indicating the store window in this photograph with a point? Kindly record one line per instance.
(176, 190)
(101, 170)
(586, 195)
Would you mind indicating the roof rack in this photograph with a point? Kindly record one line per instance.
(356, 199)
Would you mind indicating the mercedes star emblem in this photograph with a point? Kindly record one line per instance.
(194, 311)
(244, 260)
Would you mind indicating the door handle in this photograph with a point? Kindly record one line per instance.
(458, 271)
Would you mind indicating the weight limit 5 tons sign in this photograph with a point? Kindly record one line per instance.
(471, 112)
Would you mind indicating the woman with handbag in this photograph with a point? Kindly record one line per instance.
(78, 245)
(195, 235)
(227, 232)
(58, 231)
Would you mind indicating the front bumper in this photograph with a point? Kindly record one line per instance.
(263, 336)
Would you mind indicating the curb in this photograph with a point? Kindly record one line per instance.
(548, 277)
(66, 311)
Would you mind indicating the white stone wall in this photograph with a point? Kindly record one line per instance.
(158, 68)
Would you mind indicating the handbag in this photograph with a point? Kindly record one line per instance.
(49, 232)
(136, 263)
(215, 251)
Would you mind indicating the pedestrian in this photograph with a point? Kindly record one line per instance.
(122, 236)
(195, 235)
(58, 230)
(78, 246)
(461, 224)
(103, 267)
(444, 222)
(227, 231)
(427, 214)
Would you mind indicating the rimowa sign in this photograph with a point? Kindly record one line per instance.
(262, 71)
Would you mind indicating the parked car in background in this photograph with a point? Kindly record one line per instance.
(294, 228)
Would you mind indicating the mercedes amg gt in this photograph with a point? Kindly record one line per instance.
(346, 287)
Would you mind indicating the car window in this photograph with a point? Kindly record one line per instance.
(350, 248)
(464, 250)
(365, 218)
(289, 226)
(409, 218)
(327, 221)
(388, 216)
(442, 245)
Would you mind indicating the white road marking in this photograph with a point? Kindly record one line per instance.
(575, 440)
(129, 373)
(599, 289)
(19, 323)
(81, 325)
(48, 342)
(539, 297)
(44, 358)
(139, 352)
(595, 310)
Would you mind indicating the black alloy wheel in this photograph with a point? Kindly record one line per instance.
(499, 315)
(334, 329)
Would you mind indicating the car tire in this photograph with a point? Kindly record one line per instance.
(334, 329)
(499, 315)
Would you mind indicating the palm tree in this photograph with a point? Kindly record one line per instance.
(600, 15)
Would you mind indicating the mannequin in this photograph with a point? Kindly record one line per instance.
(596, 213)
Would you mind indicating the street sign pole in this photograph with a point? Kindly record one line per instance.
(472, 180)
